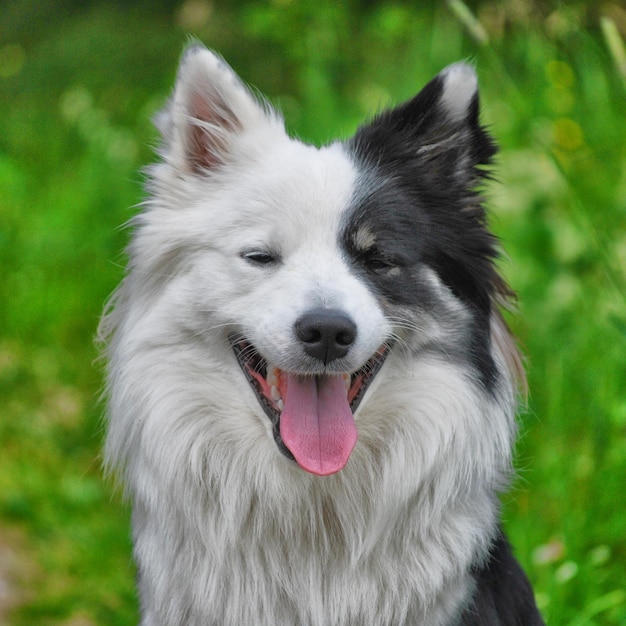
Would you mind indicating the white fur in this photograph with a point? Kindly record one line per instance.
(460, 86)
(228, 531)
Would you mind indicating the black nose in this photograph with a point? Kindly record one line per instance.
(326, 334)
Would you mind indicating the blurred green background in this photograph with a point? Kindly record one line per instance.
(79, 82)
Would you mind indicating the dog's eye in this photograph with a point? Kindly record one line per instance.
(379, 264)
(260, 257)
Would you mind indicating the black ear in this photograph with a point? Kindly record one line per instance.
(210, 107)
(439, 130)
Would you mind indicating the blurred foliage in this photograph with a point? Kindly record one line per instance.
(79, 82)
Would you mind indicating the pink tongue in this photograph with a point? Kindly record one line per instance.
(317, 424)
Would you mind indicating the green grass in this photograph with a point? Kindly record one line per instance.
(78, 85)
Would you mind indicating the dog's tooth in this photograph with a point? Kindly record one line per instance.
(346, 381)
(280, 404)
(275, 392)
(272, 377)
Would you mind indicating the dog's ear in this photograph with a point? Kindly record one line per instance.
(438, 130)
(210, 107)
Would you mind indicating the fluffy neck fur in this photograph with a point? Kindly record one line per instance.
(221, 521)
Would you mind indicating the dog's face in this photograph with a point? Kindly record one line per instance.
(311, 266)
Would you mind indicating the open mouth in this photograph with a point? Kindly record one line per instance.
(312, 415)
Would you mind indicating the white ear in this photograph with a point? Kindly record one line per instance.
(459, 89)
(210, 107)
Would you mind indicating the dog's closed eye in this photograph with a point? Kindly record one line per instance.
(261, 257)
(380, 264)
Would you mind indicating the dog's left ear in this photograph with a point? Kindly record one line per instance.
(438, 130)
(209, 110)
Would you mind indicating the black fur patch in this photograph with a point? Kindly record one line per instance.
(388, 216)
(503, 595)
(419, 196)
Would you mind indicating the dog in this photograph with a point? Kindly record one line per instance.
(311, 389)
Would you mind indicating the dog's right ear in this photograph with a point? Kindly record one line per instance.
(210, 107)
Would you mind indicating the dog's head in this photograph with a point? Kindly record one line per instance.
(311, 267)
